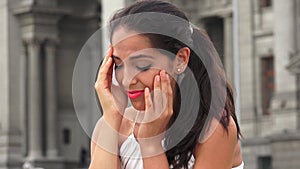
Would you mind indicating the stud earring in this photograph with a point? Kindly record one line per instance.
(178, 69)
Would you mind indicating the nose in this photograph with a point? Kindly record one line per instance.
(129, 77)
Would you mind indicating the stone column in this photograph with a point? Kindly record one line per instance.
(298, 100)
(247, 88)
(297, 6)
(51, 105)
(298, 74)
(34, 99)
(284, 31)
(228, 46)
(284, 100)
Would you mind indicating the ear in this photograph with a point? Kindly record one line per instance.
(182, 60)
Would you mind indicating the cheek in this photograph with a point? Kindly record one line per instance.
(119, 77)
(147, 78)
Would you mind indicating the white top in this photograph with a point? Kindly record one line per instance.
(131, 157)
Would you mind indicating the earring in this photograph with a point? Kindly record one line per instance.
(178, 69)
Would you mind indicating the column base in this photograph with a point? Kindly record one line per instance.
(34, 155)
(52, 154)
(11, 154)
(46, 163)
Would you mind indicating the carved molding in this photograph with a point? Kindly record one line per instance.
(38, 22)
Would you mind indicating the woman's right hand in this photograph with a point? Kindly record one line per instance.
(113, 103)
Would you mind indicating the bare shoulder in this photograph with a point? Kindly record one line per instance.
(218, 150)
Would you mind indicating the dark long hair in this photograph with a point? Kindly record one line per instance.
(180, 154)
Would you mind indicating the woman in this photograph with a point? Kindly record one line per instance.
(182, 113)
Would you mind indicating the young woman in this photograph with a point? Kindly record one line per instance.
(182, 111)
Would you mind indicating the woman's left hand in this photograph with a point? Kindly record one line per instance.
(158, 110)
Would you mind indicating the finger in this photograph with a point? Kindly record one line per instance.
(110, 52)
(106, 69)
(164, 88)
(170, 96)
(108, 55)
(148, 105)
(106, 62)
(157, 96)
(104, 77)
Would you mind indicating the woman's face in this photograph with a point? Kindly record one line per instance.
(136, 64)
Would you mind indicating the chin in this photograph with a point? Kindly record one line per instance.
(138, 105)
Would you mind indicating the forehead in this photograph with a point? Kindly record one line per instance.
(126, 43)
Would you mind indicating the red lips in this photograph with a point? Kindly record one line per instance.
(133, 94)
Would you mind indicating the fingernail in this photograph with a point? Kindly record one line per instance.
(157, 78)
(146, 90)
(163, 72)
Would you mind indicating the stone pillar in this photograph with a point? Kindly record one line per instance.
(51, 105)
(247, 88)
(298, 100)
(298, 74)
(284, 101)
(34, 99)
(228, 46)
(284, 31)
(297, 17)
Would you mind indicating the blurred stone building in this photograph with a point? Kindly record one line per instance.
(269, 45)
(40, 41)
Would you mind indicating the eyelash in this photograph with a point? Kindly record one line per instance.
(145, 68)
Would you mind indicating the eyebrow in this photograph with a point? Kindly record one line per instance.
(134, 57)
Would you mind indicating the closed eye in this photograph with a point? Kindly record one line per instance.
(144, 68)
